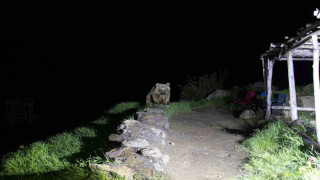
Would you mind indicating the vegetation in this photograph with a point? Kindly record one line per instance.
(186, 106)
(197, 88)
(66, 155)
(278, 153)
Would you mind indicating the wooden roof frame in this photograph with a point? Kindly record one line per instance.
(303, 47)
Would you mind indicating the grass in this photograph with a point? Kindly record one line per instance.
(278, 153)
(66, 155)
(186, 106)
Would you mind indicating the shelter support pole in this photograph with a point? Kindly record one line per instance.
(269, 88)
(264, 73)
(292, 87)
(316, 83)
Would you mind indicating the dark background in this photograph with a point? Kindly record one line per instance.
(78, 65)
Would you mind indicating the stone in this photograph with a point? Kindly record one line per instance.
(155, 109)
(115, 137)
(305, 101)
(258, 84)
(312, 123)
(218, 93)
(297, 122)
(132, 131)
(286, 113)
(157, 167)
(165, 159)
(247, 114)
(152, 152)
(260, 114)
(115, 152)
(119, 169)
(160, 121)
(312, 159)
(136, 143)
(310, 131)
(164, 135)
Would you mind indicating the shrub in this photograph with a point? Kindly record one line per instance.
(278, 153)
(198, 88)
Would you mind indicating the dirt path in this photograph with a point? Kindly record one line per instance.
(201, 148)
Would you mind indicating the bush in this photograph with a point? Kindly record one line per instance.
(278, 153)
(198, 88)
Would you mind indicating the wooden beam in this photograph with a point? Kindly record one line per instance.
(269, 88)
(292, 87)
(303, 40)
(289, 108)
(316, 82)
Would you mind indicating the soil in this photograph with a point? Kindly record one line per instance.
(205, 144)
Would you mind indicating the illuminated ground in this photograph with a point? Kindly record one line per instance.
(201, 148)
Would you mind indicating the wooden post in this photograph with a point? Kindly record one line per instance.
(269, 88)
(292, 87)
(316, 83)
(264, 73)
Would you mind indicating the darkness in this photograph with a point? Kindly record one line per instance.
(87, 61)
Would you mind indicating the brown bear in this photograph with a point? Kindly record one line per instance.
(159, 94)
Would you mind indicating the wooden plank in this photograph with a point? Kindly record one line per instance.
(269, 88)
(289, 108)
(292, 87)
(316, 83)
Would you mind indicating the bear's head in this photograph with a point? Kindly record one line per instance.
(163, 88)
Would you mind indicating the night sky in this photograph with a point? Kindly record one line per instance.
(90, 60)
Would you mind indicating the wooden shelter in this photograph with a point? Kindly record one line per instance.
(303, 47)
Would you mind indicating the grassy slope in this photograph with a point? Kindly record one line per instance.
(66, 155)
(278, 153)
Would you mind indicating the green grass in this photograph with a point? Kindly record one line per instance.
(122, 107)
(186, 106)
(65, 155)
(278, 153)
(306, 116)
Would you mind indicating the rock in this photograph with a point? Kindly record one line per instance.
(156, 131)
(260, 114)
(163, 142)
(154, 119)
(164, 135)
(119, 169)
(137, 143)
(247, 114)
(310, 130)
(155, 109)
(115, 152)
(305, 101)
(141, 131)
(312, 123)
(165, 159)
(312, 159)
(297, 122)
(218, 93)
(286, 113)
(115, 137)
(157, 167)
(258, 84)
(152, 152)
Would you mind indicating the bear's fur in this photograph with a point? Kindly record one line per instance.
(159, 94)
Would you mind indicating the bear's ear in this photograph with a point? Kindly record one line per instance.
(158, 84)
(168, 84)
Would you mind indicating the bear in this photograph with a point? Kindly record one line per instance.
(159, 94)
